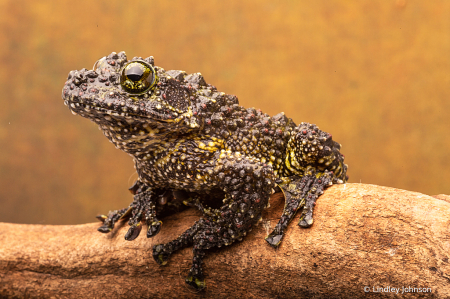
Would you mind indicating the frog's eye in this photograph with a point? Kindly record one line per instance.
(137, 77)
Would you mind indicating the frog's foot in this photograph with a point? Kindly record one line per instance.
(110, 220)
(300, 193)
(223, 227)
(247, 186)
(294, 193)
(322, 181)
(142, 210)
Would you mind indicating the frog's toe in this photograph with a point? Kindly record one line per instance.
(160, 255)
(195, 277)
(133, 232)
(321, 182)
(110, 220)
(142, 211)
(104, 229)
(101, 218)
(274, 239)
(306, 222)
(154, 228)
(197, 281)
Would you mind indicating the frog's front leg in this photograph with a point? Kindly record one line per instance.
(247, 185)
(299, 193)
(142, 209)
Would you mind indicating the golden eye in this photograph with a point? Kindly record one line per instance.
(137, 77)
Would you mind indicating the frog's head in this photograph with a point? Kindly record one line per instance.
(133, 90)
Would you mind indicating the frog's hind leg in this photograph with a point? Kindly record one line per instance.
(247, 186)
(222, 227)
(299, 193)
(162, 252)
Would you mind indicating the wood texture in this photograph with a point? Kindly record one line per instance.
(363, 236)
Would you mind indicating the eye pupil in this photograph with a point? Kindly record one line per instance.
(134, 73)
(137, 77)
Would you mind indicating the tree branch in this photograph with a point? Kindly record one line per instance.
(363, 236)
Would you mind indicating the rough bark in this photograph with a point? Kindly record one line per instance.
(363, 236)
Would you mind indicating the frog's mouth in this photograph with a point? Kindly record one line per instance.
(94, 111)
(123, 107)
(107, 103)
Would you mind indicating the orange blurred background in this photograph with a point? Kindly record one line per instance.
(375, 74)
